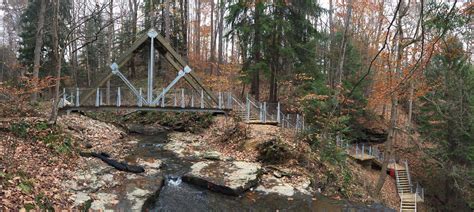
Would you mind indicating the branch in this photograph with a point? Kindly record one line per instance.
(369, 69)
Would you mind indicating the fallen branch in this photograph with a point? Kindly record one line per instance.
(118, 165)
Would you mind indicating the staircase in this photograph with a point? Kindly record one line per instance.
(403, 182)
(242, 113)
(408, 198)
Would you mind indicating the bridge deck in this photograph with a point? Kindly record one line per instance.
(362, 157)
(146, 108)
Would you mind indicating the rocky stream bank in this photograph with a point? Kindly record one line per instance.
(191, 163)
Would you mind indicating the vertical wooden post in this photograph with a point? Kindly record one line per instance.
(362, 150)
(288, 120)
(107, 93)
(192, 100)
(248, 108)
(278, 112)
(283, 121)
(302, 123)
(101, 97)
(119, 97)
(97, 97)
(64, 97)
(219, 100)
(77, 97)
(183, 104)
(175, 100)
(163, 99)
(297, 123)
(229, 100)
(140, 103)
(202, 98)
(264, 112)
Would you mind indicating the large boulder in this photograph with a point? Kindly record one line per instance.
(231, 178)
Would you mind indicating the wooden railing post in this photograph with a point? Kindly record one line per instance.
(219, 96)
(175, 100)
(119, 97)
(64, 98)
(278, 112)
(77, 97)
(264, 112)
(248, 107)
(97, 97)
(140, 102)
(183, 103)
(202, 98)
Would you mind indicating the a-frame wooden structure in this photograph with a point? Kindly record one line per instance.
(154, 40)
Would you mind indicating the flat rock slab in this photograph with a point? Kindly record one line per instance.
(231, 178)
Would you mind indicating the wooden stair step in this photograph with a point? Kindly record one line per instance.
(408, 207)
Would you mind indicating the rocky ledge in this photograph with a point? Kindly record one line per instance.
(232, 178)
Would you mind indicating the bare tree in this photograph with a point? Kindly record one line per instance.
(394, 98)
(221, 34)
(110, 40)
(133, 4)
(38, 46)
(197, 40)
(56, 60)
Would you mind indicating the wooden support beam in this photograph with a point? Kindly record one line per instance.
(174, 55)
(121, 62)
(171, 56)
(196, 86)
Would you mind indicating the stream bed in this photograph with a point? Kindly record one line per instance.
(170, 193)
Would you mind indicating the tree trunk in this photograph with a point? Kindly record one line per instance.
(221, 34)
(410, 104)
(340, 70)
(133, 7)
(331, 36)
(184, 27)
(56, 60)
(110, 39)
(393, 115)
(167, 20)
(37, 51)
(213, 39)
(255, 85)
(197, 29)
(74, 62)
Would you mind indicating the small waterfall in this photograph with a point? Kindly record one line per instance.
(173, 181)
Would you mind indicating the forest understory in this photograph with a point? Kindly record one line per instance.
(39, 158)
(395, 75)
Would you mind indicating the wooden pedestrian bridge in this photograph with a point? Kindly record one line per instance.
(174, 96)
(410, 193)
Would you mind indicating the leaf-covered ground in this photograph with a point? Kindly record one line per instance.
(36, 158)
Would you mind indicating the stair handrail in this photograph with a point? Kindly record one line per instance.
(401, 204)
(419, 191)
(415, 203)
(396, 174)
(252, 102)
(237, 101)
(408, 175)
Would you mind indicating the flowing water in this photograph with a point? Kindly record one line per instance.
(176, 195)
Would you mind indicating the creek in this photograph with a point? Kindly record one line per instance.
(172, 194)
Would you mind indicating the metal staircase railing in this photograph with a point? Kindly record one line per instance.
(408, 176)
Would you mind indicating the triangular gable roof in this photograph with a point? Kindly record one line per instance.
(168, 52)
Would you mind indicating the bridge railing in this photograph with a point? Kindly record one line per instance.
(248, 109)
